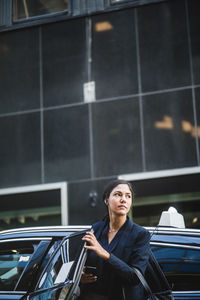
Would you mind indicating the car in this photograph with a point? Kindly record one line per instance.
(46, 263)
(41, 263)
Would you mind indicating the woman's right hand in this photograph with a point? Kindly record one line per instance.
(87, 278)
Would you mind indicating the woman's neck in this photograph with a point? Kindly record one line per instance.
(116, 222)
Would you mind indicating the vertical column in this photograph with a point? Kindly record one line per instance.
(41, 104)
(89, 64)
(140, 91)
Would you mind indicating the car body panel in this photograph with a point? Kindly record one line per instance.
(12, 296)
(177, 251)
(187, 295)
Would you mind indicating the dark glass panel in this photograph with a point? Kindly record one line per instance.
(19, 76)
(85, 202)
(169, 130)
(164, 53)
(38, 208)
(14, 257)
(114, 66)
(158, 194)
(117, 140)
(64, 63)
(20, 151)
(197, 94)
(194, 13)
(31, 8)
(66, 143)
(181, 267)
(168, 185)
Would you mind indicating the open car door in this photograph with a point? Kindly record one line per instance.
(61, 276)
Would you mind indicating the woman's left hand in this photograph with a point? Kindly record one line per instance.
(95, 246)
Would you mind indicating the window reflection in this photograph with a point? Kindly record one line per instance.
(103, 26)
(167, 124)
(188, 127)
(181, 267)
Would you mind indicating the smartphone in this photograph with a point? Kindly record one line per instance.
(91, 270)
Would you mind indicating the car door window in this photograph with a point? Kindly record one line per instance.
(63, 264)
(14, 257)
(180, 265)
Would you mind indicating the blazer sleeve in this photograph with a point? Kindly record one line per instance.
(138, 258)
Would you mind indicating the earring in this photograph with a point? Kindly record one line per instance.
(106, 202)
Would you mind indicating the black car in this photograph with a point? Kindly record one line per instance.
(46, 263)
(41, 263)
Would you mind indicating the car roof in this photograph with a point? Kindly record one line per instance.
(175, 236)
(174, 230)
(159, 234)
(45, 231)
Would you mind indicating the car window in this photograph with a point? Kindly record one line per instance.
(13, 259)
(180, 265)
(63, 264)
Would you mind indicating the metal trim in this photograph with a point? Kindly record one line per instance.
(26, 239)
(169, 230)
(160, 174)
(69, 228)
(44, 187)
(186, 292)
(175, 245)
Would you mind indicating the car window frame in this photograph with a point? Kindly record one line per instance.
(191, 293)
(61, 248)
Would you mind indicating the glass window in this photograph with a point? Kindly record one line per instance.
(24, 9)
(13, 259)
(181, 267)
(63, 263)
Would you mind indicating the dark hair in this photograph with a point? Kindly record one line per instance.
(112, 184)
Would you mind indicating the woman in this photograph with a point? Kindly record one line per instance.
(117, 245)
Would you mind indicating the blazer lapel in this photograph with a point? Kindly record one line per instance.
(121, 237)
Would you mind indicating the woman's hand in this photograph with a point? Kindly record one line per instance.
(95, 246)
(87, 278)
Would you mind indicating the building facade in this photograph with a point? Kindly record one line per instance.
(96, 90)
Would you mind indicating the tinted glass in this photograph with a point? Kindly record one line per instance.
(29, 210)
(20, 151)
(194, 11)
(19, 76)
(164, 53)
(197, 93)
(169, 130)
(86, 205)
(66, 139)
(114, 66)
(13, 259)
(73, 248)
(181, 267)
(63, 263)
(117, 139)
(31, 8)
(64, 62)
(51, 276)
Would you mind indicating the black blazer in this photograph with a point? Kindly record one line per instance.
(131, 249)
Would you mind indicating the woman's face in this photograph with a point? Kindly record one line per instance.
(120, 200)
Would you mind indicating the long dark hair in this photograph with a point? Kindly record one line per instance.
(112, 184)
